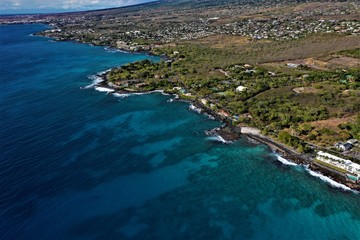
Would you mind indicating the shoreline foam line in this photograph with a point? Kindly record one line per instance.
(328, 180)
(120, 95)
(284, 161)
(214, 136)
(96, 79)
(192, 107)
(217, 138)
(103, 89)
(114, 50)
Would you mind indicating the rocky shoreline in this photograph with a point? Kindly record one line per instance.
(230, 133)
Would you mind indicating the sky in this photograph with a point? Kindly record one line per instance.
(47, 6)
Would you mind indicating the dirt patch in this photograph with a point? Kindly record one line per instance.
(320, 6)
(312, 63)
(332, 123)
(222, 41)
(345, 62)
(307, 51)
(305, 90)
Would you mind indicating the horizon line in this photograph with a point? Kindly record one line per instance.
(63, 11)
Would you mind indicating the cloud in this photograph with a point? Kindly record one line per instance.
(65, 4)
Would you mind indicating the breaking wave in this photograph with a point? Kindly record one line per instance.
(328, 180)
(120, 95)
(96, 79)
(217, 138)
(123, 95)
(195, 109)
(114, 50)
(214, 136)
(210, 116)
(103, 89)
(284, 161)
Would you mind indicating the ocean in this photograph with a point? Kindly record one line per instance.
(76, 163)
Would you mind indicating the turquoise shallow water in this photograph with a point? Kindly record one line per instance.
(80, 164)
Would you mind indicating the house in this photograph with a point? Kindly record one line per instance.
(292, 65)
(204, 101)
(271, 73)
(343, 146)
(223, 113)
(241, 89)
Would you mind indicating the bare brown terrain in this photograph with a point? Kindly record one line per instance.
(304, 51)
(332, 123)
(344, 62)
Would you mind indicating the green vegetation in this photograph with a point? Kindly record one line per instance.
(143, 75)
(352, 127)
(293, 141)
(144, 69)
(355, 53)
(330, 166)
(268, 100)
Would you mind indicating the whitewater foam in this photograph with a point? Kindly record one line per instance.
(123, 95)
(120, 95)
(328, 180)
(284, 161)
(217, 138)
(95, 80)
(104, 72)
(210, 116)
(195, 109)
(176, 97)
(214, 136)
(103, 89)
(114, 50)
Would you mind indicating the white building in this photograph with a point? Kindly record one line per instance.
(347, 165)
(240, 89)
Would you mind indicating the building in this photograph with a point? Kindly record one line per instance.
(343, 146)
(241, 89)
(293, 65)
(351, 169)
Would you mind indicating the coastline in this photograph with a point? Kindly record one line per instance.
(148, 150)
(229, 133)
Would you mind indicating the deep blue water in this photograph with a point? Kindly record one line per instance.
(80, 164)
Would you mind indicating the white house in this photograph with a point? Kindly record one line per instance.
(241, 89)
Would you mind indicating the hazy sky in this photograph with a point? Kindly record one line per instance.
(26, 6)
